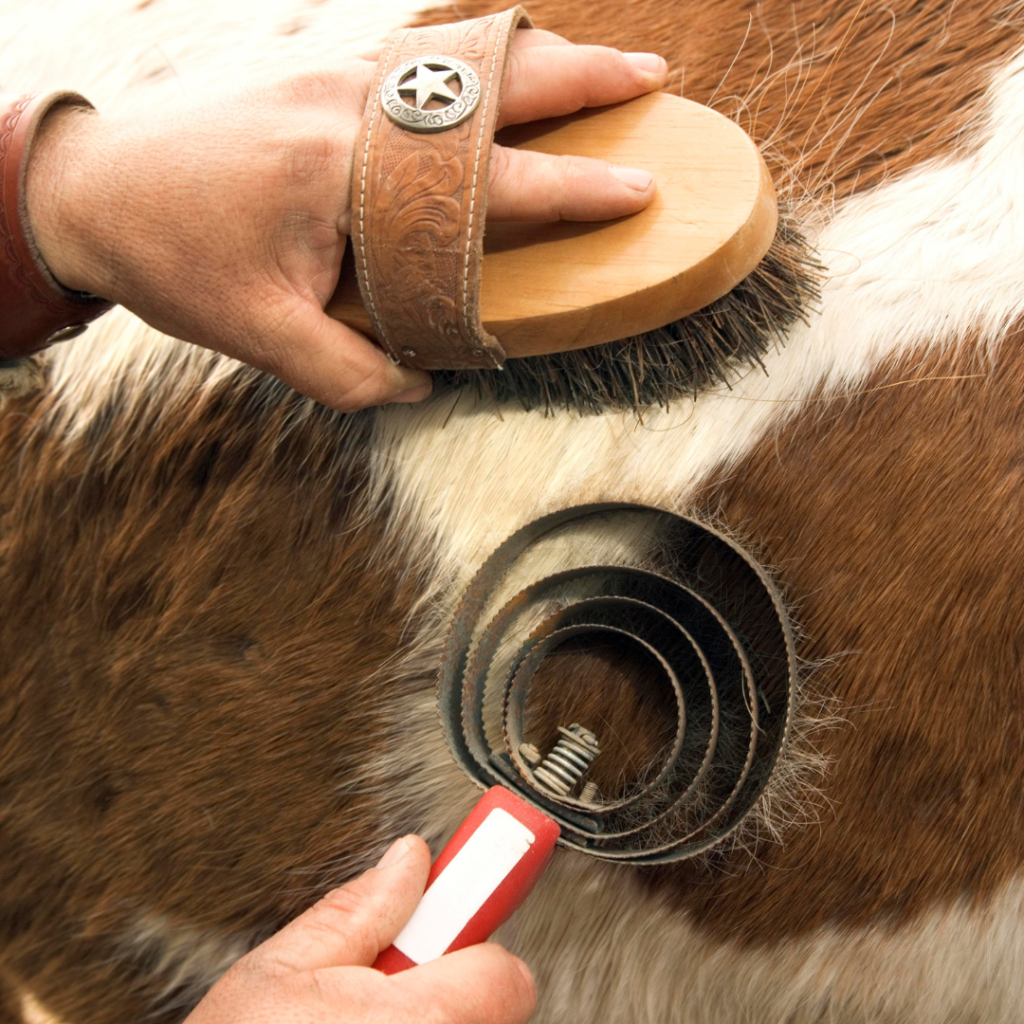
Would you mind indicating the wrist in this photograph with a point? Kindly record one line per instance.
(60, 199)
(37, 309)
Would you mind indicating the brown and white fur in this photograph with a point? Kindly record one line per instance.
(221, 606)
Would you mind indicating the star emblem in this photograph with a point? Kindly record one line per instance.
(421, 94)
(429, 84)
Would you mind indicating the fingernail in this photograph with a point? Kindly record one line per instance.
(395, 852)
(527, 975)
(649, 62)
(413, 394)
(633, 177)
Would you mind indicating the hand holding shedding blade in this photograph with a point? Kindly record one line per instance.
(479, 880)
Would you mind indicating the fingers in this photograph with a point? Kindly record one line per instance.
(541, 187)
(477, 984)
(546, 79)
(351, 925)
(335, 365)
(549, 78)
(527, 37)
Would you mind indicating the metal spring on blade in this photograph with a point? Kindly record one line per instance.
(569, 760)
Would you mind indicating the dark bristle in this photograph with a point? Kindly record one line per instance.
(653, 369)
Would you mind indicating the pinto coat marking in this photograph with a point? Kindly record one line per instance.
(221, 606)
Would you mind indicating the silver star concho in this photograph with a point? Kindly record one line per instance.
(430, 78)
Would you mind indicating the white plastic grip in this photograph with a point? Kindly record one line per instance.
(480, 878)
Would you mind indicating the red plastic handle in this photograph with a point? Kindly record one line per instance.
(479, 880)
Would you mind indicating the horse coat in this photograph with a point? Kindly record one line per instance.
(221, 606)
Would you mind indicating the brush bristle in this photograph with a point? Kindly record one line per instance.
(653, 369)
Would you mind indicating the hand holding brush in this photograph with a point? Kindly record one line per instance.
(222, 220)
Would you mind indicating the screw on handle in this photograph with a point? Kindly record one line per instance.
(480, 878)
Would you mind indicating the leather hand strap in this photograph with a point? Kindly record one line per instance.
(35, 309)
(419, 194)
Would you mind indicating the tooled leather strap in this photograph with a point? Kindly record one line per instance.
(35, 309)
(420, 190)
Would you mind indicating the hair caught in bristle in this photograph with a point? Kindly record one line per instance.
(659, 366)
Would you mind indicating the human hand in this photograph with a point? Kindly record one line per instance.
(317, 969)
(223, 220)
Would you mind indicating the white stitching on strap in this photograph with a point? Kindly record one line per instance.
(466, 326)
(375, 100)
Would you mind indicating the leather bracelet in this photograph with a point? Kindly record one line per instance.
(36, 310)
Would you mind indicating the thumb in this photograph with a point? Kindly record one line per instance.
(351, 925)
(330, 362)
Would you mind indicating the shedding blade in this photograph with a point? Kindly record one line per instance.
(477, 882)
(555, 287)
